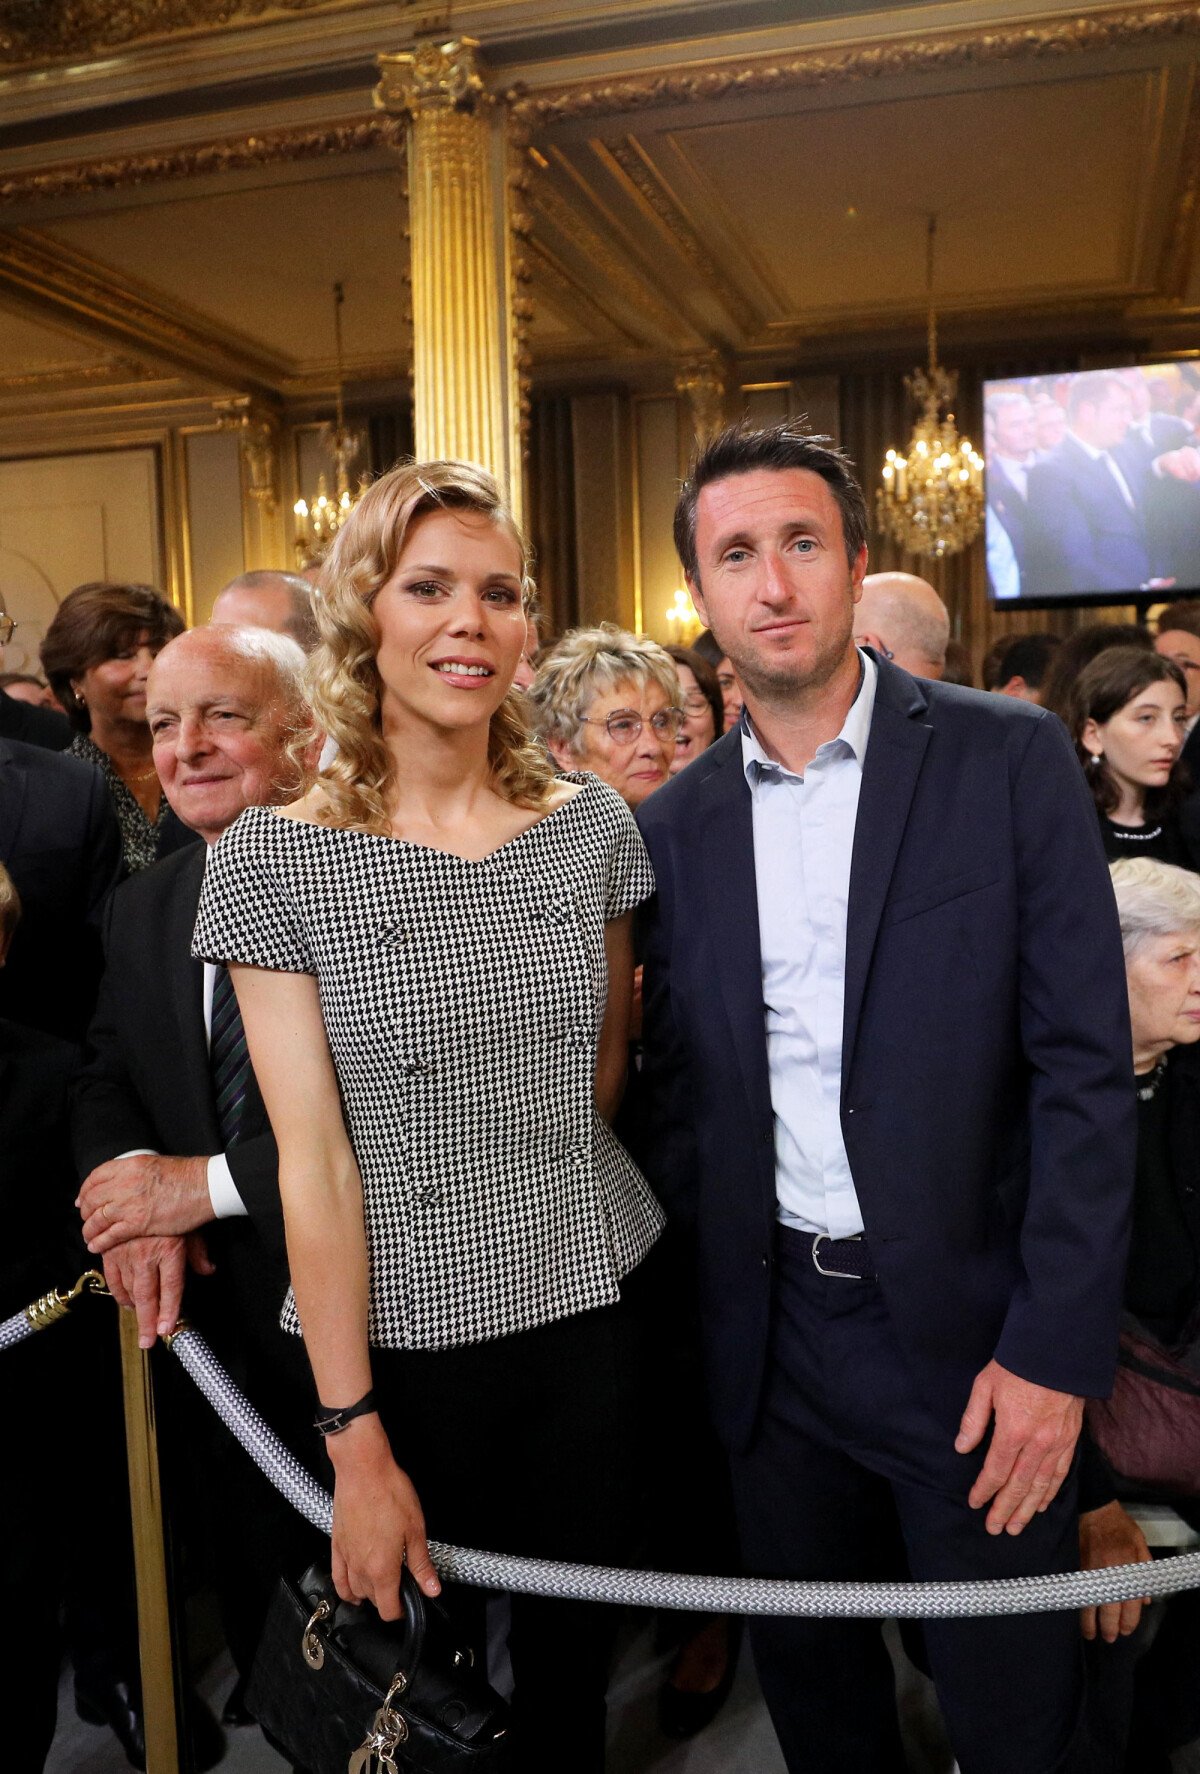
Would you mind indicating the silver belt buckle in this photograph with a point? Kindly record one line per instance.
(821, 1238)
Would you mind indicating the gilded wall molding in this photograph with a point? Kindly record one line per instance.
(1049, 40)
(1175, 263)
(54, 377)
(199, 160)
(33, 31)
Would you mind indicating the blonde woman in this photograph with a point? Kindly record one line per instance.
(433, 960)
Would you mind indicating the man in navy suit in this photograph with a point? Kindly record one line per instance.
(889, 1072)
(1086, 523)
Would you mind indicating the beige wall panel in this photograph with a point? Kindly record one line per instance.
(657, 485)
(214, 480)
(67, 519)
(600, 428)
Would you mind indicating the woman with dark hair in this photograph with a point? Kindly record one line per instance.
(1076, 654)
(703, 706)
(1131, 711)
(97, 655)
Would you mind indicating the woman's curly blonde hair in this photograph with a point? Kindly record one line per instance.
(343, 679)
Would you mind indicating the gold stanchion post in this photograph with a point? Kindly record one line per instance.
(155, 1634)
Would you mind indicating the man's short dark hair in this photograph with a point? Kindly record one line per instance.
(741, 449)
(1183, 617)
(302, 624)
(1090, 387)
(1028, 658)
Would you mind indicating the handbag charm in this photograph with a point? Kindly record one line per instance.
(376, 1753)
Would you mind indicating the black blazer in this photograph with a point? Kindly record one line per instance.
(987, 1097)
(41, 1247)
(33, 725)
(60, 843)
(146, 1080)
(1081, 534)
(1009, 505)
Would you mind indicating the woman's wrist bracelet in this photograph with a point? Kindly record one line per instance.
(329, 1421)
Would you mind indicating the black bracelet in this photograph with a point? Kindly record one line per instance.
(332, 1422)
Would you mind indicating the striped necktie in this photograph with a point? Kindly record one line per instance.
(228, 1058)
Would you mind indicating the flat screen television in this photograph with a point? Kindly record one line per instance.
(1093, 486)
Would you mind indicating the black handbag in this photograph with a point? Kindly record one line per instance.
(344, 1692)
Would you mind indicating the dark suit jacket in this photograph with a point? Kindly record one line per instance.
(1172, 506)
(1082, 536)
(146, 1080)
(41, 1247)
(987, 1099)
(59, 842)
(33, 725)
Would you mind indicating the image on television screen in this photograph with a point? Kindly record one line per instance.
(1093, 485)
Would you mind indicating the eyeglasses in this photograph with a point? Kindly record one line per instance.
(624, 727)
(7, 625)
(696, 703)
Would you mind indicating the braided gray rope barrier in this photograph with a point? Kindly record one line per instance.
(647, 1589)
(660, 1589)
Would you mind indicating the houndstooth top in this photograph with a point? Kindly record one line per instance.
(463, 1003)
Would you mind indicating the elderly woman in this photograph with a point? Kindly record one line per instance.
(97, 655)
(1152, 1705)
(703, 706)
(608, 701)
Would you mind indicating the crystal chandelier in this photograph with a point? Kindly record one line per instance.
(931, 500)
(318, 522)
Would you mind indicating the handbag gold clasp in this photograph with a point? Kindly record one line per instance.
(311, 1648)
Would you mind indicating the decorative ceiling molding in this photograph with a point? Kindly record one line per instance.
(614, 274)
(54, 376)
(202, 159)
(68, 286)
(1049, 40)
(574, 301)
(33, 31)
(1175, 263)
(632, 167)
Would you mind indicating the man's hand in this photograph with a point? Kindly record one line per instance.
(146, 1275)
(1110, 1536)
(1182, 464)
(1032, 1445)
(143, 1197)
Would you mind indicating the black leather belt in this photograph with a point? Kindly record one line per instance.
(842, 1259)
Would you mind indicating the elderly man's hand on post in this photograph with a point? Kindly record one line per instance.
(146, 1276)
(1032, 1446)
(143, 1197)
(1110, 1536)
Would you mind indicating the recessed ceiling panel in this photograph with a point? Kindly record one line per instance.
(1037, 187)
(263, 262)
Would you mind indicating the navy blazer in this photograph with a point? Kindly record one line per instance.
(1080, 534)
(987, 1097)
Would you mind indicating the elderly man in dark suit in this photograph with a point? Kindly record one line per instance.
(169, 1129)
(888, 1067)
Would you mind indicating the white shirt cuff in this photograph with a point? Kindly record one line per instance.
(227, 1204)
(136, 1152)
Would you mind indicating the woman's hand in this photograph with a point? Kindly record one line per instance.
(1110, 1536)
(378, 1526)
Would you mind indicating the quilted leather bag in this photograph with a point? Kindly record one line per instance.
(344, 1692)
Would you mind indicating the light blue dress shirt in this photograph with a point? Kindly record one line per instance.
(803, 839)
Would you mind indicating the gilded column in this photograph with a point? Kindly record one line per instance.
(464, 227)
(703, 381)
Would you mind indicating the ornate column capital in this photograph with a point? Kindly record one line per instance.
(258, 434)
(703, 381)
(432, 77)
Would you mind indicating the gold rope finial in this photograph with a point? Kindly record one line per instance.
(49, 1308)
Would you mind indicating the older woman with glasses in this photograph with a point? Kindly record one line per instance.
(609, 701)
